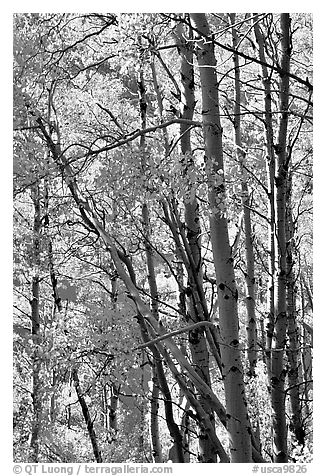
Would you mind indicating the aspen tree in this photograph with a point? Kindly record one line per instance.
(236, 406)
(155, 436)
(195, 301)
(87, 417)
(270, 170)
(294, 339)
(282, 162)
(250, 258)
(36, 330)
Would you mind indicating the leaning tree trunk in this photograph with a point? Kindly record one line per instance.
(236, 406)
(87, 417)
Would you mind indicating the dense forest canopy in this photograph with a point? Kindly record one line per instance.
(162, 237)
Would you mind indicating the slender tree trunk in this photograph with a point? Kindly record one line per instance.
(263, 340)
(270, 169)
(194, 289)
(159, 104)
(175, 452)
(105, 408)
(53, 395)
(236, 406)
(113, 410)
(57, 304)
(307, 366)
(197, 339)
(294, 341)
(87, 417)
(306, 357)
(173, 428)
(154, 426)
(250, 258)
(154, 400)
(143, 425)
(186, 434)
(308, 291)
(203, 417)
(278, 371)
(36, 337)
(110, 406)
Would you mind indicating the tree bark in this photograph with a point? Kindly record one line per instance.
(189, 304)
(151, 278)
(173, 428)
(36, 337)
(87, 417)
(155, 431)
(270, 170)
(250, 258)
(113, 410)
(236, 406)
(57, 304)
(306, 357)
(278, 372)
(294, 340)
(197, 339)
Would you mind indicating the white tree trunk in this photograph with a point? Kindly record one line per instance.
(278, 372)
(194, 300)
(294, 340)
(250, 258)
(270, 170)
(236, 405)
